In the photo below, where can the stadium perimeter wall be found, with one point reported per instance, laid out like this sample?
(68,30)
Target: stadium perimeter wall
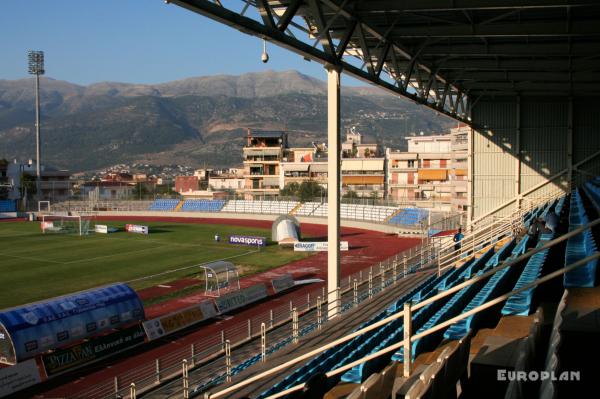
(380,227)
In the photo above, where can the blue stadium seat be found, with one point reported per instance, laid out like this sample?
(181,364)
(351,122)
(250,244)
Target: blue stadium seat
(579,247)
(409,216)
(520,304)
(164,205)
(199,205)
(8,206)
(490,290)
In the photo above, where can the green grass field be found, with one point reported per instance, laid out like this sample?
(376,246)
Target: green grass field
(35,266)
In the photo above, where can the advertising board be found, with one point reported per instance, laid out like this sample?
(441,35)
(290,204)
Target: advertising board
(317,246)
(18,377)
(179,320)
(135,228)
(248,240)
(96,348)
(101,228)
(282,283)
(240,298)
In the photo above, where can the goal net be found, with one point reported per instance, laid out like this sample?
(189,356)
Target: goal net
(66,224)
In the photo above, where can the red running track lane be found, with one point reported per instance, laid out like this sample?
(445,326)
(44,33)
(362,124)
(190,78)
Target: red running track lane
(367,248)
(13,219)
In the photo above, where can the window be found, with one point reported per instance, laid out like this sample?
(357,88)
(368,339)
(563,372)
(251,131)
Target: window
(411,163)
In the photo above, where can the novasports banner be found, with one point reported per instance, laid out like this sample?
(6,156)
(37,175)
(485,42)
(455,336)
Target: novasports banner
(317,246)
(63,360)
(240,298)
(134,228)
(179,320)
(248,240)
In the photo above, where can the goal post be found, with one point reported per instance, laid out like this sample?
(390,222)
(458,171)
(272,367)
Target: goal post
(44,206)
(66,224)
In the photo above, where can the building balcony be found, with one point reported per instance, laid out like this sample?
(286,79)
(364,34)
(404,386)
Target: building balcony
(460,201)
(403,169)
(261,161)
(56,185)
(403,185)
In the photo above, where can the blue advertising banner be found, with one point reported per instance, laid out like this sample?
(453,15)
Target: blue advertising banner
(96,348)
(248,240)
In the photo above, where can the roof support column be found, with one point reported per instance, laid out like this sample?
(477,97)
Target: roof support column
(333,191)
(570,145)
(518,154)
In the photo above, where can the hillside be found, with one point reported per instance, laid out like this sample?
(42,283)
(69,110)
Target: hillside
(193,121)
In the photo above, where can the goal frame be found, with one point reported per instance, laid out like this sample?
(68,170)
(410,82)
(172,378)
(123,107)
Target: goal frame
(40,206)
(77,218)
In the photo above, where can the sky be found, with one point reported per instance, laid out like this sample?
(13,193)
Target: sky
(136,41)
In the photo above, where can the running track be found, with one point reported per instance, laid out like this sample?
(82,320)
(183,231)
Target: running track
(366,248)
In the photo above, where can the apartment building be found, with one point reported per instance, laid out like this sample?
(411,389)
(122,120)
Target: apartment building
(459,167)
(263,153)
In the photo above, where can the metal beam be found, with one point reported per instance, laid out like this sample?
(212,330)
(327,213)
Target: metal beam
(514,29)
(289,13)
(379,6)
(275,35)
(557,48)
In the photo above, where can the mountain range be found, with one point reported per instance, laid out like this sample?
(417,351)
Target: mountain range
(195,121)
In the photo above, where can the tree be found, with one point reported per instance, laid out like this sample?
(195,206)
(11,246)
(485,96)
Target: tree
(305,191)
(28,187)
(290,190)
(310,189)
(350,195)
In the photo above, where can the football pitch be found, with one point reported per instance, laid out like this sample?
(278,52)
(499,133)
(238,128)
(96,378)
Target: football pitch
(36,266)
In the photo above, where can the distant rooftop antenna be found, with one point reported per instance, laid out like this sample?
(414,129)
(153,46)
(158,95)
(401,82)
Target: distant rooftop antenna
(264,57)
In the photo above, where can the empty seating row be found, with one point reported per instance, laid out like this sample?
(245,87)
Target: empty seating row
(349,350)
(164,205)
(593,189)
(551,363)
(8,206)
(311,209)
(199,205)
(264,207)
(393,332)
(409,216)
(579,247)
(437,379)
(521,303)
(492,288)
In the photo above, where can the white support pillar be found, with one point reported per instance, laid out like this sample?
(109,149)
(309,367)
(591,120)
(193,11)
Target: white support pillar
(570,145)
(333,190)
(518,155)
(470,173)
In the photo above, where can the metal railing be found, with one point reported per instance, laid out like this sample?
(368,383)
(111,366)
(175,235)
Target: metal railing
(299,316)
(406,314)
(311,312)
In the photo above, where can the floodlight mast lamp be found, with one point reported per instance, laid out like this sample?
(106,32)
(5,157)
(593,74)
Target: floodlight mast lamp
(36,67)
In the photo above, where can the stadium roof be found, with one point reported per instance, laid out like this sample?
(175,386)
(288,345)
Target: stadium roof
(442,53)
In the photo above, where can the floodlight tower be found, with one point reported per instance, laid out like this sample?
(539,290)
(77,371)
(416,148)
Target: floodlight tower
(36,67)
